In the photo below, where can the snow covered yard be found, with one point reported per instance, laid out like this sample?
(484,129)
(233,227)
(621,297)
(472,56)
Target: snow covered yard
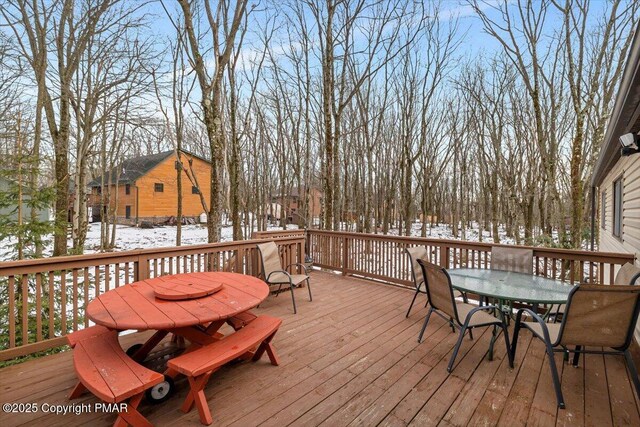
(132,238)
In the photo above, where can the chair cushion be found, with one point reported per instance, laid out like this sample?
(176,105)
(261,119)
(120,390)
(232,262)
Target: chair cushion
(480,317)
(283,278)
(536,328)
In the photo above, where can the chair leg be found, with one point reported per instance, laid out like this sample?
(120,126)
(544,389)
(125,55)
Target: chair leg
(293,298)
(456,348)
(514,343)
(470,334)
(494,335)
(412,301)
(309,288)
(633,371)
(505,332)
(278,291)
(424,325)
(554,376)
(576,356)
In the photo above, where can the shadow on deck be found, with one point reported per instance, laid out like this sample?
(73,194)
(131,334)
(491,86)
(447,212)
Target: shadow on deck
(351,357)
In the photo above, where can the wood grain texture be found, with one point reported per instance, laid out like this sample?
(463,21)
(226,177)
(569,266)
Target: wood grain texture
(352,358)
(135,306)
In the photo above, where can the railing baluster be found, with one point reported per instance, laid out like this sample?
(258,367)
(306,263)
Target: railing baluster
(63,302)
(38,306)
(86,294)
(12,313)
(51,305)
(74,275)
(25,309)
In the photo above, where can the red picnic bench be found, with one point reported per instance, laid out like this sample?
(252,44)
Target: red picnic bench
(198,365)
(105,370)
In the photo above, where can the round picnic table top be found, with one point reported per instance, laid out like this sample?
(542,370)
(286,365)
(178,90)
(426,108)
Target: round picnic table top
(135,306)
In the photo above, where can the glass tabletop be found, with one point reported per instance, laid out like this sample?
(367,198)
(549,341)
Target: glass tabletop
(508,285)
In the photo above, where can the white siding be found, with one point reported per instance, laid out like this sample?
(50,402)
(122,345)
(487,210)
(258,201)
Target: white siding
(629,169)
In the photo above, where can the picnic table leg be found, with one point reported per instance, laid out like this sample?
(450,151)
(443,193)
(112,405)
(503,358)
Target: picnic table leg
(77,391)
(131,416)
(266,346)
(149,345)
(196,395)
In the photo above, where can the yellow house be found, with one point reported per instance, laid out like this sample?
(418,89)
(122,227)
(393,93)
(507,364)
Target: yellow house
(145,188)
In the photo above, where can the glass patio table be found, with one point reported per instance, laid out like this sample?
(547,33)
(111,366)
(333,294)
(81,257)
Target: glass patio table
(507,287)
(510,286)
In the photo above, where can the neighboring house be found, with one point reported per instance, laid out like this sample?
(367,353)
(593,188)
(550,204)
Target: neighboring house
(145,188)
(616,179)
(11,212)
(292,204)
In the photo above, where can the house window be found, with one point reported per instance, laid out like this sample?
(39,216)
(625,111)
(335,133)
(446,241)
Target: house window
(127,212)
(127,189)
(617,207)
(194,190)
(158,187)
(603,210)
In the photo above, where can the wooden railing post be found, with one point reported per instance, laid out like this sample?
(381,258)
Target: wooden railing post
(142,268)
(444,256)
(345,255)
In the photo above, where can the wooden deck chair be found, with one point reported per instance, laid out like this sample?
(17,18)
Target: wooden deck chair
(274,274)
(459,314)
(601,316)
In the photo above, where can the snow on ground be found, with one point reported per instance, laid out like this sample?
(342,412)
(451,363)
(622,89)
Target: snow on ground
(444,231)
(132,238)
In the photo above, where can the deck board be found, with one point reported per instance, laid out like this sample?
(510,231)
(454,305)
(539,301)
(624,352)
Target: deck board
(351,357)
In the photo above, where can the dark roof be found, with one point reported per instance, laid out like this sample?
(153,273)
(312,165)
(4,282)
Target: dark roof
(132,169)
(625,116)
(293,192)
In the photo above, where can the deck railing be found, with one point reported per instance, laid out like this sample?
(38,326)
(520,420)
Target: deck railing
(42,300)
(383,257)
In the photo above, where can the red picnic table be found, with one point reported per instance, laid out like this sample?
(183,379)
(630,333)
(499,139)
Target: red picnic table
(191,305)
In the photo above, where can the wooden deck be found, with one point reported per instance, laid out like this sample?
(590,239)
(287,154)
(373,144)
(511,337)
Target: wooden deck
(351,358)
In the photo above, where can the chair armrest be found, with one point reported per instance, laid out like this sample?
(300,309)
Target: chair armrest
(537,318)
(484,307)
(304,267)
(278,271)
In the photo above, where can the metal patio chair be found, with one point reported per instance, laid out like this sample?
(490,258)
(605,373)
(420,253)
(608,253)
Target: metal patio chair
(628,274)
(274,274)
(459,314)
(596,316)
(518,260)
(416,253)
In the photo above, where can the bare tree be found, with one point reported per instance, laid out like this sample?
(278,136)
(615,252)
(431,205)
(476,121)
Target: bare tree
(222,29)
